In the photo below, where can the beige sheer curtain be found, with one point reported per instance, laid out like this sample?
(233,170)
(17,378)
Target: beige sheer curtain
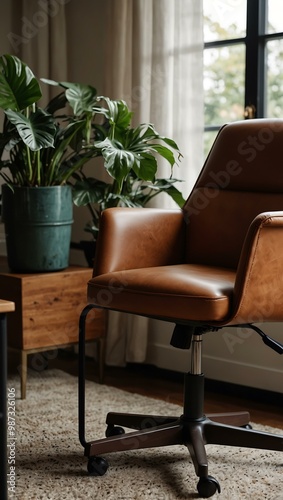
(39,38)
(154,62)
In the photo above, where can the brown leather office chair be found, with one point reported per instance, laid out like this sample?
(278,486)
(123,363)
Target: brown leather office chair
(217,262)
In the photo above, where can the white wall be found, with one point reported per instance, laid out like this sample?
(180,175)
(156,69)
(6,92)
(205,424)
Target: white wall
(230,355)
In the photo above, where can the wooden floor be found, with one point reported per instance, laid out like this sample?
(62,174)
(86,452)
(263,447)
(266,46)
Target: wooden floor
(265,408)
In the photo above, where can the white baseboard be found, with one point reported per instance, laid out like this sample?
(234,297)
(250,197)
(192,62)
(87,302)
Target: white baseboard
(249,375)
(217,368)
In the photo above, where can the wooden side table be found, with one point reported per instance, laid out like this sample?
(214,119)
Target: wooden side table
(5,307)
(48,306)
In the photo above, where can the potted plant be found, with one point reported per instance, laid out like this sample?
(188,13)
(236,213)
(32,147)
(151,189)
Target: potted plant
(130,158)
(38,155)
(48,148)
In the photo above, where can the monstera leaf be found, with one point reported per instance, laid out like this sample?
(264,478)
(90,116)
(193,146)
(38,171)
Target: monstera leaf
(81,98)
(37,131)
(135,151)
(18,86)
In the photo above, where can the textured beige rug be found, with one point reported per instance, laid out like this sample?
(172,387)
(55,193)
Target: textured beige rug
(50,462)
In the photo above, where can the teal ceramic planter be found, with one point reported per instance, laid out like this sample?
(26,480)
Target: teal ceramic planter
(38,223)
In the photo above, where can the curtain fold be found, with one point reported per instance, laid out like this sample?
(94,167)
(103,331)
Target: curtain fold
(41,40)
(154,62)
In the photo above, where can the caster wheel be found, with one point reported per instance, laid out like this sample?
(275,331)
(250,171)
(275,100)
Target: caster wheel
(114,431)
(207,486)
(247,426)
(97,466)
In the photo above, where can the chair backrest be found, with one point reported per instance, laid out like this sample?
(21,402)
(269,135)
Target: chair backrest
(242,177)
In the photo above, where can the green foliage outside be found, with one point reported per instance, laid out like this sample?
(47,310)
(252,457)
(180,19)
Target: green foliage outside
(224,80)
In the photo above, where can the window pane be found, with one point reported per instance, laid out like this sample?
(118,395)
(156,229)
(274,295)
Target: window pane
(274,16)
(224,19)
(274,86)
(224,84)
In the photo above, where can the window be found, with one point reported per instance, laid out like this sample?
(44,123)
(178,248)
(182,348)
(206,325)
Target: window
(243,61)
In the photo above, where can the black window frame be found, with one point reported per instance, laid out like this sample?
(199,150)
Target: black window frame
(255,60)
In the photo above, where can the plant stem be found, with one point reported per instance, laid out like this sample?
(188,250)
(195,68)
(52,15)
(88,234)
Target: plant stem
(94,213)
(38,165)
(88,127)
(29,165)
(115,188)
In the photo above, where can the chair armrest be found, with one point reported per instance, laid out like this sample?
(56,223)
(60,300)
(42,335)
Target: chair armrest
(144,237)
(259,278)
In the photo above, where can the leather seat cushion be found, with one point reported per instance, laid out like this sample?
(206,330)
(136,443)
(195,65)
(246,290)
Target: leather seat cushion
(188,292)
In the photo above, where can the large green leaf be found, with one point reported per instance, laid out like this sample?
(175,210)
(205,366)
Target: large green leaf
(81,98)
(135,153)
(117,161)
(165,152)
(18,86)
(56,103)
(145,131)
(146,166)
(37,131)
(166,186)
(118,115)
(176,195)
(89,190)
(144,139)
(63,139)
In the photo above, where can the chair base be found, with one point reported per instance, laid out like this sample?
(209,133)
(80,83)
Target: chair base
(154,431)
(192,429)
